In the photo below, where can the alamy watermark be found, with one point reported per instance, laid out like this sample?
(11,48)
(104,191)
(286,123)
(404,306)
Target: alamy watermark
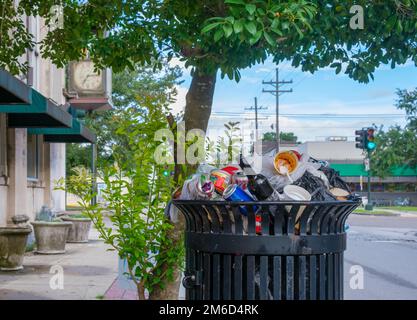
(193,147)
(357,21)
(356,281)
(56,282)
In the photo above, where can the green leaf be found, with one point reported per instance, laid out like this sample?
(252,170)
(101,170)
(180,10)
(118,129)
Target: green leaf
(300,33)
(228,30)
(269,39)
(251,27)
(238,26)
(250,8)
(234,1)
(209,27)
(218,35)
(336,65)
(255,38)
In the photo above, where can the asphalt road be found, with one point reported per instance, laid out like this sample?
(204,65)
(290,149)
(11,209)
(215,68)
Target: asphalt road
(386,250)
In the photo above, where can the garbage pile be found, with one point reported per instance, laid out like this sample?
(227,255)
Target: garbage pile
(285,176)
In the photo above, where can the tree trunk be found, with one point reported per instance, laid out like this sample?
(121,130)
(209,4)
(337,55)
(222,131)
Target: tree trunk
(199,101)
(141,291)
(171,289)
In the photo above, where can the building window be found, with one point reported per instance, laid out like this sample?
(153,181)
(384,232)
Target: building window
(3,146)
(33,156)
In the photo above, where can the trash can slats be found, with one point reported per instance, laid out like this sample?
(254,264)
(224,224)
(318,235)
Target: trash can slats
(227,277)
(237,269)
(264,250)
(263,281)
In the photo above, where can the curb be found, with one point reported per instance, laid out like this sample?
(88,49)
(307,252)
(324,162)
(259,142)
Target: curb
(378,215)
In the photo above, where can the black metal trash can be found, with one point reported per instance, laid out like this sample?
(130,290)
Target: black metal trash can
(295,251)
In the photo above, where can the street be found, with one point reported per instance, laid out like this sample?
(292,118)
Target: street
(386,249)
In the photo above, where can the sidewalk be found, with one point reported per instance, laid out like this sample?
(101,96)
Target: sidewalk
(88,269)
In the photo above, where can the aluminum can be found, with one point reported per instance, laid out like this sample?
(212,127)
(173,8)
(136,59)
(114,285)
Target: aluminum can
(240,179)
(221,180)
(235,193)
(204,186)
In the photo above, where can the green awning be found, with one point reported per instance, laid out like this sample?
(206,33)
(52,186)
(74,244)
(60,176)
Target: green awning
(40,113)
(356,170)
(78,133)
(12,90)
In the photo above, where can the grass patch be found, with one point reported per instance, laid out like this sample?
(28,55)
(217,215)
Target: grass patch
(401,208)
(373,212)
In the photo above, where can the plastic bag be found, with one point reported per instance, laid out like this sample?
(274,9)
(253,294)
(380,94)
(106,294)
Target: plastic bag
(315,186)
(334,178)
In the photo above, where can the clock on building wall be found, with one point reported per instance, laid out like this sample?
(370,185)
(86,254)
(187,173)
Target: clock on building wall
(86,81)
(90,89)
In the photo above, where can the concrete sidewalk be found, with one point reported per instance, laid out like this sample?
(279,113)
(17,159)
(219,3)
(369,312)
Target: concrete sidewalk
(88,271)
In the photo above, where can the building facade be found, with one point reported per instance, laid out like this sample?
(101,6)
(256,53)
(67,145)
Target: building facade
(35,123)
(28,165)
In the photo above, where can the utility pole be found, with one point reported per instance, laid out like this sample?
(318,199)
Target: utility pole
(276,92)
(256,108)
(369,205)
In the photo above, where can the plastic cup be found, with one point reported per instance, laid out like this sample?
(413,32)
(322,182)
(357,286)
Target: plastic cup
(296,193)
(285,158)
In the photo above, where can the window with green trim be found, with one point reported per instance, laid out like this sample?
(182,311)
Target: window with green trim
(34,145)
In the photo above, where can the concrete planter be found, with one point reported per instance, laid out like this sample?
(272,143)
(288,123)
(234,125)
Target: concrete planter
(78,233)
(12,247)
(51,236)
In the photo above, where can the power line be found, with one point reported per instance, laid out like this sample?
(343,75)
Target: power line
(276,85)
(256,108)
(325,115)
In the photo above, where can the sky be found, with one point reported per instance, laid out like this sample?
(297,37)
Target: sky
(349,105)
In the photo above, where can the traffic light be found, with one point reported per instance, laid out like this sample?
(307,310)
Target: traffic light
(370,139)
(360,139)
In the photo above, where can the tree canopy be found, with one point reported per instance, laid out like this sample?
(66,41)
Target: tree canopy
(214,34)
(397,146)
(283,136)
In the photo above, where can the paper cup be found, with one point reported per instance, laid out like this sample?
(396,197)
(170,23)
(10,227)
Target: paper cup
(287,159)
(339,193)
(296,193)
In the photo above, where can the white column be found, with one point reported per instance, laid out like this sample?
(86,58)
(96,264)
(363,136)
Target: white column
(57,167)
(17,165)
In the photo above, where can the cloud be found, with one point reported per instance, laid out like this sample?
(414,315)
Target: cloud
(262,69)
(306,129)
(381,93)
(252,80)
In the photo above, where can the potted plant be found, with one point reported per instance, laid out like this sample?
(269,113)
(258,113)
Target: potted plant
(13,243)
(81,225)
(50,232)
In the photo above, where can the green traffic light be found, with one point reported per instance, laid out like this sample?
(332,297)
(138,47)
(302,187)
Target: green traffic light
(371,145)
(166,173)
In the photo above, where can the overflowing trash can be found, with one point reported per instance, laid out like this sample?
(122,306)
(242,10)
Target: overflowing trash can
(275,233)
(282,250)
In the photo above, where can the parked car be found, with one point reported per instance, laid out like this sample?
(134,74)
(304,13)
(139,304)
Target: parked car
(402,201)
